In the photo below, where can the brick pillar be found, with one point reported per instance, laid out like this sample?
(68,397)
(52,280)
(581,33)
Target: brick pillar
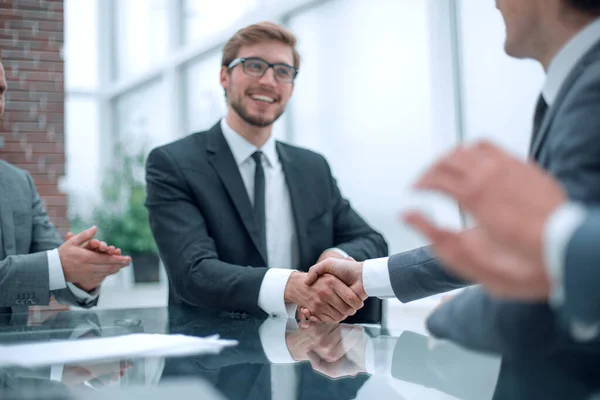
(32,129)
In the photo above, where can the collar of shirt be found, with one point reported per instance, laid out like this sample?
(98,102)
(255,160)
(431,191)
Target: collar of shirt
(242,149)
(566,59)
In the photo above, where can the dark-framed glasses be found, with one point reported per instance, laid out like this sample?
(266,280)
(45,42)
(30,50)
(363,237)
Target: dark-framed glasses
(257,67)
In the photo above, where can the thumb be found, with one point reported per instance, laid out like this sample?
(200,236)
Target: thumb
(83,236)
(315,271)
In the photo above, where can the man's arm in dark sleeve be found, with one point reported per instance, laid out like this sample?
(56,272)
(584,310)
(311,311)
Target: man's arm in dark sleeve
(189,253)
(417,273)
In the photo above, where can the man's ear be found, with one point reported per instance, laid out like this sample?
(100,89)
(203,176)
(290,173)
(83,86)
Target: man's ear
(225,78)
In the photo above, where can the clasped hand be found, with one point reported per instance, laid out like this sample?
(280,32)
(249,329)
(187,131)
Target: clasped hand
(87,261)
(330,292)
(335,350)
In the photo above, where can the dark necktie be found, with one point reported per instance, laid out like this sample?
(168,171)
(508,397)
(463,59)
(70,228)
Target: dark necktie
(259,199)
(540,112)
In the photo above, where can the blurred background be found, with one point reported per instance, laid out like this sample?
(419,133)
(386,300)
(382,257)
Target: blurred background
(384,87)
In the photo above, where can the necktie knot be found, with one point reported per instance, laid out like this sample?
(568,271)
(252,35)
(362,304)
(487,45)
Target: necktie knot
(257,157)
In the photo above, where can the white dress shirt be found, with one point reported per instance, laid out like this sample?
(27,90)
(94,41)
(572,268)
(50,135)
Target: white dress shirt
(282,243)
(57,280)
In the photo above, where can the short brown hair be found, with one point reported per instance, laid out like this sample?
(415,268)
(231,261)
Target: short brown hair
(258,33)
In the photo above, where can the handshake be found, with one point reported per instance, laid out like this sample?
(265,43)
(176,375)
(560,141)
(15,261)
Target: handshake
(331,291)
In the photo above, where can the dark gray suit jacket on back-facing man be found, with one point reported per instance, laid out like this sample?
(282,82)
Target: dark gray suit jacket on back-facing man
(567,146)
(202,219)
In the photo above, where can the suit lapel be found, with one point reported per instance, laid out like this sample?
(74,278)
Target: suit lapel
(566,86)
(223,162)
(300,198)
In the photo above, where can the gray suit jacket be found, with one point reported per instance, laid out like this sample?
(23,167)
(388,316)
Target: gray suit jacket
(567,146)
(25,236)
(582,273)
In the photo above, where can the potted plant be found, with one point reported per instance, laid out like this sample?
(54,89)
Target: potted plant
(122,218)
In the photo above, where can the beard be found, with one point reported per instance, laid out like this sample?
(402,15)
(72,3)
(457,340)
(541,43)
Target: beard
(254,120)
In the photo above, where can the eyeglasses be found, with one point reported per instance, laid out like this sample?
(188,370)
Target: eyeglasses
(257,67)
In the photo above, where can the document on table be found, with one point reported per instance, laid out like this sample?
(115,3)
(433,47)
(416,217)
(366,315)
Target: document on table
(109,348)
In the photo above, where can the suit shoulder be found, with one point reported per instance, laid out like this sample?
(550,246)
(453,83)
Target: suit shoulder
(193,142)
(303,153)
(13,173)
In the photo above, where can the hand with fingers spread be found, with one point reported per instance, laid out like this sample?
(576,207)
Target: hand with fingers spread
(84,267)
(511,199)
(512,202)
(97,246)
(329,300)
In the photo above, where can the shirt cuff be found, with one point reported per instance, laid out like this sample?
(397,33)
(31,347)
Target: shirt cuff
(272,291)
(339,251)
(81,295)
(272,339)
(56,276)
(376,278)
(558,231)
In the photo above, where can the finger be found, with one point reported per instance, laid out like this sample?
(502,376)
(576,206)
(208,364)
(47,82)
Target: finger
(69,235)
(83,236)
(105,259)
(103,247)
(93,244)
(117,252)
(347,295)
(317,270)
(305,313)
(314,318)
(329,314)
(349,258)
(334,309)
(315,362)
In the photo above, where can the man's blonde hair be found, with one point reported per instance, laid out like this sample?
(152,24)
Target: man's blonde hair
(259,33)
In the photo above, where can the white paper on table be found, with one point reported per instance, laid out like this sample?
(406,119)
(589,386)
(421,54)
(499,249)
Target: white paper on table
(110,348)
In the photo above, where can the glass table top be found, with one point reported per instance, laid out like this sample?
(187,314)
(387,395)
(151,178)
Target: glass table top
(279,359)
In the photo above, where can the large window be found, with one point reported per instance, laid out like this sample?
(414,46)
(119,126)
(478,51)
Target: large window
(205,102)
(141,118)
(499,92)
(203,18)
(141,35)
(363,98)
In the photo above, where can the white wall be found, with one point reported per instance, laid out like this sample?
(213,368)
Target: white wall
(363,98)
(499,92)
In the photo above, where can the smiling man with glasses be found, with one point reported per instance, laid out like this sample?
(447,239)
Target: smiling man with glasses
(240,217)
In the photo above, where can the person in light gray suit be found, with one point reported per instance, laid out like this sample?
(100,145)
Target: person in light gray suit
(34,262)
(564,36)
(553,260)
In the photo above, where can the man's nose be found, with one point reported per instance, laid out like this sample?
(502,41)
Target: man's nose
(268,78)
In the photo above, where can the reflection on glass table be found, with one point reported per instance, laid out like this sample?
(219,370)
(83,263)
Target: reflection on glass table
(283,359)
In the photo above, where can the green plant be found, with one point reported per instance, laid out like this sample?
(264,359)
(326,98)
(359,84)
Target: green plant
(121,217)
